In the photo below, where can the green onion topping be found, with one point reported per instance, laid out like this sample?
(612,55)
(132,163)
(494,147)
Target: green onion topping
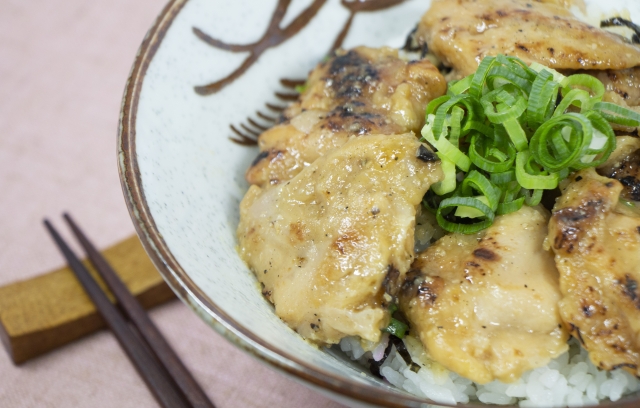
(514,131)
(396,328)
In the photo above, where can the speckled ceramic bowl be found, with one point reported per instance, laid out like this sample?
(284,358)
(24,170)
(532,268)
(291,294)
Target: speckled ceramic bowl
(183,177)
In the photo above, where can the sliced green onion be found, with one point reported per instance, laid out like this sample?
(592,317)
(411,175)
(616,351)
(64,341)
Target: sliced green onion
(471,212)
(510,191)
(504,177)
(498,154)
(628,203)
(578,132)
(453,202)
(446,149)
(481,151)
(532,197)
(478,126)
(478,182)
(470,105)
(478,81)
(502,113)
(510,206)
(448,184)
(455,119)
(516,134)
(602,143)
(557,77)
(500,75)
(396,328)
(575,97)
(461,85)
(617,114)
(533,181)
(435,104)
(542,99)
(518,67)
(583,81)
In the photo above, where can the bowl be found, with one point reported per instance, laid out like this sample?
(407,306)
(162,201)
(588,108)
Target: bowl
(204,67)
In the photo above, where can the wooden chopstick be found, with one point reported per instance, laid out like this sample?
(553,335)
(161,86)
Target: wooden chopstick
(151,371)
(132,308)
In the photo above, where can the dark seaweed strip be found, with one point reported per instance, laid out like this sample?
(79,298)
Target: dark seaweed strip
(401,349)
(374,366)
(411,44)
(621,22)
(404,353)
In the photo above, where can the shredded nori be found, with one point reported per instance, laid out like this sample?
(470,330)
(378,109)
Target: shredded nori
(427,155)
(374,366)
(401,349)
(412,44)
(621,22)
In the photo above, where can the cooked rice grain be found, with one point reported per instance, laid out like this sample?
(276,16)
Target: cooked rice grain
(569,380)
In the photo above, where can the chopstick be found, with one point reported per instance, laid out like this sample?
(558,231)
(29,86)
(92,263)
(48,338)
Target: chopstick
(139,317)
(163,372)
(148,368)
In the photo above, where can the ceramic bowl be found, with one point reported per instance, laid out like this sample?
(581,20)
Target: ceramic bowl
(204,66)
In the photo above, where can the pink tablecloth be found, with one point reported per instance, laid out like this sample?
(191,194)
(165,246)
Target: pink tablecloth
(63,65)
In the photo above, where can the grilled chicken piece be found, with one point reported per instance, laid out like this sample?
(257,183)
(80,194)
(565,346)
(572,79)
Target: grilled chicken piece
(624,166)
(622,87)
(363,91)
(327,243)
(597,251)
(485,305)
(462,32)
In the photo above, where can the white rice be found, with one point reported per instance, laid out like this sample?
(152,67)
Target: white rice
(569,380)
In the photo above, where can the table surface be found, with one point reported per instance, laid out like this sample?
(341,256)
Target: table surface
(63,66)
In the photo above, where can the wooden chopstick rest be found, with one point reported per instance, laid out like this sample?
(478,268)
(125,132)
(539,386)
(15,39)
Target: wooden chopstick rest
(46,312)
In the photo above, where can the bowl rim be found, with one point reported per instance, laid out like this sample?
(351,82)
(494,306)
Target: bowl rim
(179,281)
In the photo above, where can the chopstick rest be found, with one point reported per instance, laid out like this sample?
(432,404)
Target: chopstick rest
(46,312)
(158,379)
